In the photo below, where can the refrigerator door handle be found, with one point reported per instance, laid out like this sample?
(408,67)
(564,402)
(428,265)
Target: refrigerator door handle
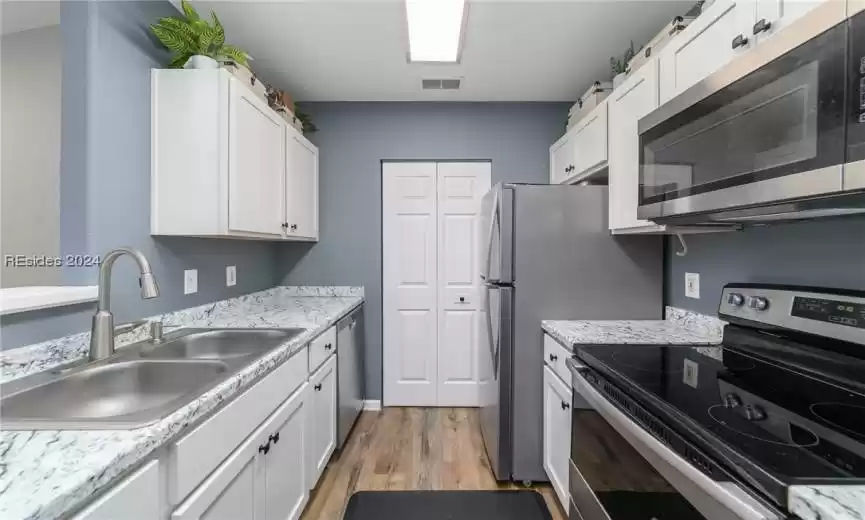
(493,219)
(490,332)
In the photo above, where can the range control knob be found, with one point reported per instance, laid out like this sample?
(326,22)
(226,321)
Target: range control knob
(732,401)
(736,299)
(758,303)
(754,413)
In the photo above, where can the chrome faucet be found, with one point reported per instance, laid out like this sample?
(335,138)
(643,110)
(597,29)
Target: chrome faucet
(102,333)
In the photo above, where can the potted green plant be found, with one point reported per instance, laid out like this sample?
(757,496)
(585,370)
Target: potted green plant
(196,43)
(620,65)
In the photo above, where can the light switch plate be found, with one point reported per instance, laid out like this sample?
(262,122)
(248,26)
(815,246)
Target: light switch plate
(190,281)
(230,276)
(692,285)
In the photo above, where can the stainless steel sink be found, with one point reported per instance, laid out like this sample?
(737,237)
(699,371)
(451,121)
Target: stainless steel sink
(139,385)
(222,343)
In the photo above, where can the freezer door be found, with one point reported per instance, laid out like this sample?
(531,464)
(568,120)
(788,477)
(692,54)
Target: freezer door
(496,224)
(495,375)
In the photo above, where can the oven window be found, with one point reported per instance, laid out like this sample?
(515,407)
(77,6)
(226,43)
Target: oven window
(786,117)
(625,485)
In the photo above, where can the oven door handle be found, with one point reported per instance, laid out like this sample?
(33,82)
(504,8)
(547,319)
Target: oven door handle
(713,499)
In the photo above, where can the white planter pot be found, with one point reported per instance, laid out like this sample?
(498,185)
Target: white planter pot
(620,78)
(201,62)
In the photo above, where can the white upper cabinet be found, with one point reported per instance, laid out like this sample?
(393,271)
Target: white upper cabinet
(224,164)
(719,34)
(301,187)
(562,158)
(582,150)
(256,163)
(634,98)
(774,15)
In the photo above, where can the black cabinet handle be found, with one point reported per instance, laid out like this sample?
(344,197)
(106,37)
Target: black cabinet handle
(740,41)
(264,448)
(762,26)
(294,227)
(328,346)
(273,437)
(317,387)
(554,358)
(284,225)
(565,405)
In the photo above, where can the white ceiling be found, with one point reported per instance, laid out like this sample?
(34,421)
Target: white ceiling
(23,15)
(355,50)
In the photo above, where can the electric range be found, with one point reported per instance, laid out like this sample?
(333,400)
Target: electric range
(780,403)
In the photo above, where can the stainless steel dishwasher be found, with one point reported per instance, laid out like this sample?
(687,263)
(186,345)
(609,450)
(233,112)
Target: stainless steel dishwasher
(350,372)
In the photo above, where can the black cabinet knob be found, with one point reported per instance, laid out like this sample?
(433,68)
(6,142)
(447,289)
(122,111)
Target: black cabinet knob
(317,387)
(554,357)
(762,26)
(328,346)
(284,225)
(565,405)
(274,437)
(264,448)
(740,41)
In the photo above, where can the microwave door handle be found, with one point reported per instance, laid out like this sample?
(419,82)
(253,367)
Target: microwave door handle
(493,219)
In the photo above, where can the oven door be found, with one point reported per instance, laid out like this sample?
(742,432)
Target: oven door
(768,127)
(619,471)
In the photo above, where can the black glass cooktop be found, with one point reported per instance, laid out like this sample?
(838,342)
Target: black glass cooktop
(774,413)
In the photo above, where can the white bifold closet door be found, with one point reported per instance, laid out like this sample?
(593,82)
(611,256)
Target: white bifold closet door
(430,281)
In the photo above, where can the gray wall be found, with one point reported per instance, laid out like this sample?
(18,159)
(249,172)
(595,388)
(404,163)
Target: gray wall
(354,138)
(30,68)
(828,253)
(105,178)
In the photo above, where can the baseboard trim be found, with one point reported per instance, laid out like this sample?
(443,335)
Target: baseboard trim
(372,405)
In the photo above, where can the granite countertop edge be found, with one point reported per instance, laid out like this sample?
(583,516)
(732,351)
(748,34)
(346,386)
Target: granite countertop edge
(73,465)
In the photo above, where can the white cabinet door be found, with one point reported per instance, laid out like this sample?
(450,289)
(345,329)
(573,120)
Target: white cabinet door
(590,141)
(410,322)
(233,490)
(285,485)
(705,46)
(256,164)
(321,427)
(557,433)
(135,498)
(562,159)
(634,98)
(775,15)
(460,187)
(301,186)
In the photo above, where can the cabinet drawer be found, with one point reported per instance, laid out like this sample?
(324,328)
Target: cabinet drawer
(135,497)
(321,348)
(198,453)
(556,357)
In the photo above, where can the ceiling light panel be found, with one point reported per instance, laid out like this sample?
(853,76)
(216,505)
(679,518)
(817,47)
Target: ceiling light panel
(434,29)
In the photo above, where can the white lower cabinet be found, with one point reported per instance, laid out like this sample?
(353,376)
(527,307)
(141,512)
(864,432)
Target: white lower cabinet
(321,423)
(263,479)
(557,433)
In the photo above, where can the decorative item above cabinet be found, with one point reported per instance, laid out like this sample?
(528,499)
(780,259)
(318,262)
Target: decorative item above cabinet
(224,164)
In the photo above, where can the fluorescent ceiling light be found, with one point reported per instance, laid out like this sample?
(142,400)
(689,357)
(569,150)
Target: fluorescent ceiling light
(434,28)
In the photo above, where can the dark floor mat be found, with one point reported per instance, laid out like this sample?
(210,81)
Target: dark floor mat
(446,505)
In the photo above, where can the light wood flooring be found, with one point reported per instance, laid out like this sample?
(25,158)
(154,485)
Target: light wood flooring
(408,449)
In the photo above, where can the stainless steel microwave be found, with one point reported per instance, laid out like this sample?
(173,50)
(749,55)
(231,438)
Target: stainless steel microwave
(776,134)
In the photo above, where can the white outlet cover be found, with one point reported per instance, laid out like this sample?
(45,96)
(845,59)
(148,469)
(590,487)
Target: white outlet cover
(190,281)
(230,276)
(692,285)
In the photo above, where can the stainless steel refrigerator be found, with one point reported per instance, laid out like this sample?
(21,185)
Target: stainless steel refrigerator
(548,255)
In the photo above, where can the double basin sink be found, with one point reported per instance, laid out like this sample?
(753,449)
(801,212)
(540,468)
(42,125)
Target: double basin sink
(139,385)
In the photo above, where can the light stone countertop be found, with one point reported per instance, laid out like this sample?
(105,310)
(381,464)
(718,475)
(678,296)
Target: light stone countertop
(45,474)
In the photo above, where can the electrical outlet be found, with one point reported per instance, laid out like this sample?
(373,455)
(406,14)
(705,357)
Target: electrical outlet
(230,276)
(190,281)
(692,285)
